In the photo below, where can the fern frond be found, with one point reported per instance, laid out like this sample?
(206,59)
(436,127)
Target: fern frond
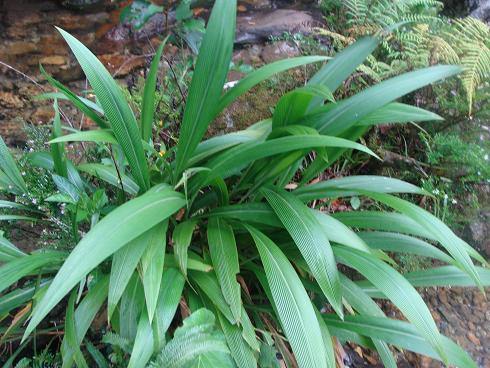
(471,40)
(115,339)
(476,67)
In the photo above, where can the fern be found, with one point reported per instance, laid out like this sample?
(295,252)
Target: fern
(114,339)
(471,39)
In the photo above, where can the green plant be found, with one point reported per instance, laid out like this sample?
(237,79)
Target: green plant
(209,224)
(422,37)
(186,27)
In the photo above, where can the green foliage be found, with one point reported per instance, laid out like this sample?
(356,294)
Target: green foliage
(421,37)
(226,232)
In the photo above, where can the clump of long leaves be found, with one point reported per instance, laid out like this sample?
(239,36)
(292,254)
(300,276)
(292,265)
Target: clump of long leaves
(208,225)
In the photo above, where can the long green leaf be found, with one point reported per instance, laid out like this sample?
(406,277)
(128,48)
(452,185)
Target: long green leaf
(115,107)
(168,300)
(294,308)
(396,112)
(224,255)
(123,265)
(347,186)
(347,112)
(207,82)
(8,251)
(148,108)
(97,136)
(240,351)
(86,312)
(182,237)
(401,334)
(446,276)
(143,343)
(109,175)
(71,336)
(151,266)
(401,243)
(398,290)
(217,144)
(118,228)
(343,64)
(27,265)
(9,168)
(208,283)
(360,301)
(337,232)
(84,105)
(238,157)
(312,241)
(261,74)
(58,149)
(293,105)
(436,227)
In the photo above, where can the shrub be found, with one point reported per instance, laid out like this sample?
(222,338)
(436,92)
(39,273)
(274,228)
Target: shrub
(210,226)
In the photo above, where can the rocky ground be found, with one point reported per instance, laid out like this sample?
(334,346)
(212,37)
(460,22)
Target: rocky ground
(27,38)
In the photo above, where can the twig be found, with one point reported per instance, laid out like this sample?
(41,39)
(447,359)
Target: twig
(175,78)
(117,170)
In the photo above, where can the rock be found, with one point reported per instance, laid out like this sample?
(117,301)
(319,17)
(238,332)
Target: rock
(279,50)
(477,233)
(475,340)
(10,100)
(261,25)
(17,48)
(258,4)
(249,55)
(43,114)
(121,65)
(480,9)
(54,60)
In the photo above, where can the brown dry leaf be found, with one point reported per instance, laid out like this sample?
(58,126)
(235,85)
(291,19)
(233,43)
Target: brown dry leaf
(180,214)
(340,354)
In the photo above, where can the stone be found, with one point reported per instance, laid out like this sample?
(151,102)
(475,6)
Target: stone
(121,65)
(18,48)
(249,55)
(43,114)
(480,9)
(475,340)
(257,4)
(261,25)
(279,50)
(10,100)
(53,60)
(477,233)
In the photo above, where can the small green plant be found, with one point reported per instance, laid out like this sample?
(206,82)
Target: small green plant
(230,229)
